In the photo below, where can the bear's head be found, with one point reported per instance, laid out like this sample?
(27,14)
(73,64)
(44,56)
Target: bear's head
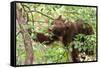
(58,26)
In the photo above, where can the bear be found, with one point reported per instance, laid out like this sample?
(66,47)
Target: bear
(42,38)
(66,31)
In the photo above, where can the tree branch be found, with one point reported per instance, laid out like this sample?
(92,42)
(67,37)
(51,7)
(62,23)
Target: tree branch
(41,14)
(27,12)
(37,12)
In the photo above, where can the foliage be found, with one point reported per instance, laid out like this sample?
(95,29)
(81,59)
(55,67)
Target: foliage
(40,18)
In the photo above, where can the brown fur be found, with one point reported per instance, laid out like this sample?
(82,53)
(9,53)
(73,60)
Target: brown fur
(67,30)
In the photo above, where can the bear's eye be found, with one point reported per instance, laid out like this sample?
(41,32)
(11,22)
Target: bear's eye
(67,27)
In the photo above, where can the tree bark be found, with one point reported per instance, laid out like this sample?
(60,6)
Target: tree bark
(22,20)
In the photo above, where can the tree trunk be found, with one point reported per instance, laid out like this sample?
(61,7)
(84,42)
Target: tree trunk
(22,20)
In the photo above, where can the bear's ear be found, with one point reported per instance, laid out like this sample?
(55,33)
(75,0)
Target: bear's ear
(60,17)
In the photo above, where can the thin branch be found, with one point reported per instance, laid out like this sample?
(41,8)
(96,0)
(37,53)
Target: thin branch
(72,12)
(18,33)
(37,12)
(28,9)
(27,13)
(41,14)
